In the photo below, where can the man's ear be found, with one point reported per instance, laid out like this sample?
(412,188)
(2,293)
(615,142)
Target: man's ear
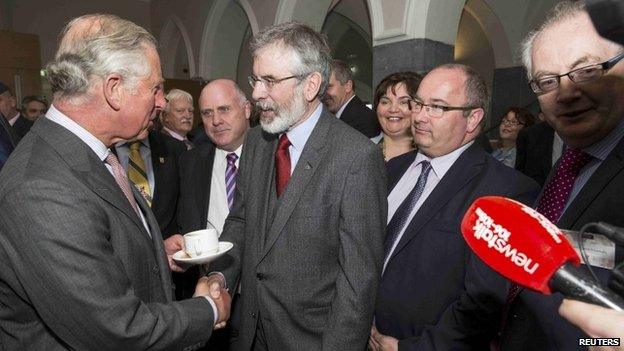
(313,85)
(247,109)
(349,86)
(475,119)
(114,91)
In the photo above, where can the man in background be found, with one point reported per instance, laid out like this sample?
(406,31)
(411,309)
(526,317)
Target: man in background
(8,107)
(340,99)
(34,107)
(177,117)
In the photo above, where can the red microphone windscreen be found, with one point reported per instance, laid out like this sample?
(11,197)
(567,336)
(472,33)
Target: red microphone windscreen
(516,241)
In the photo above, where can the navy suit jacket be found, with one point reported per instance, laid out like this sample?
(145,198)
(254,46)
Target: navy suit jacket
(533,322)
(360,117)
(425,273)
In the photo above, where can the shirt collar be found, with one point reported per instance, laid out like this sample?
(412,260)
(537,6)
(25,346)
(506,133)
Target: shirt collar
(299,135)
(342,108)
(440,165)
(144,142)
(175,135)
(222,154)
(14,119)
(94,143)
(603,147)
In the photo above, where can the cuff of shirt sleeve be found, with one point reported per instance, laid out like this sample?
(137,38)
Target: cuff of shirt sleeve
(214,310)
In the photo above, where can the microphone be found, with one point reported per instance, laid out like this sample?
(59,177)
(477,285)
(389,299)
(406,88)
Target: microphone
(526,248)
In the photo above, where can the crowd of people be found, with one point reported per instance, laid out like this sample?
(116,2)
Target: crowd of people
(345,220)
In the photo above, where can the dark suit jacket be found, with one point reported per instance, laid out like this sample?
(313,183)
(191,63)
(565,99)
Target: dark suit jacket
(534,148)
(310,261)
(533,323)
(425,273)
(195,178)
(601,199)
(166,152)
(78,270)
(8,140)
(22,125)
(360,117)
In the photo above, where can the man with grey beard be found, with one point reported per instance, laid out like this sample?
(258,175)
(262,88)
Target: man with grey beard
(310,210)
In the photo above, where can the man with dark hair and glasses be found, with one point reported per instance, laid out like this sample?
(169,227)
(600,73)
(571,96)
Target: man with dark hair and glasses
(580,88)
(310,208)
(430,189)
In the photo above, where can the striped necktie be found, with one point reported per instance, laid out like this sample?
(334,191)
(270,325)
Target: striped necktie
(137,171)
(230,178)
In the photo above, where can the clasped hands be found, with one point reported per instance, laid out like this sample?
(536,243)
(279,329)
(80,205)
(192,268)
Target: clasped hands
(213,286)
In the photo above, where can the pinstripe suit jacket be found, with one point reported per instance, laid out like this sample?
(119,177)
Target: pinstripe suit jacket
(78,270)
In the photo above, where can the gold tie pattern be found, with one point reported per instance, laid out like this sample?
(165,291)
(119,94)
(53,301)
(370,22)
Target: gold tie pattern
(137,173)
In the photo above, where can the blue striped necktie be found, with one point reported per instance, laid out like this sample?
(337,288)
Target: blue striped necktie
(230,178)
(399,219)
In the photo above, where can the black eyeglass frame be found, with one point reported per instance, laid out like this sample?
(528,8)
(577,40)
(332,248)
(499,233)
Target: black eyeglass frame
(604,67)
(442,107)
(269,84)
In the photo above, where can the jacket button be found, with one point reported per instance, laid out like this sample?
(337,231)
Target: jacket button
(155,270)
(260,276)
(253,314)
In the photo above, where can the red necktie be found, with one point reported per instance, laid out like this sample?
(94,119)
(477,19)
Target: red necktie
(558,189)
(554,197)
(282,164)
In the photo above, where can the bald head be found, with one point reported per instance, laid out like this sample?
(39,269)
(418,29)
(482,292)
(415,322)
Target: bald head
(225,113)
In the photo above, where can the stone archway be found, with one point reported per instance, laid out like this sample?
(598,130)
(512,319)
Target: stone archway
(169,42)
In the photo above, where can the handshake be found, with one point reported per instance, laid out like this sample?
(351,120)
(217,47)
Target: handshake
(213,286)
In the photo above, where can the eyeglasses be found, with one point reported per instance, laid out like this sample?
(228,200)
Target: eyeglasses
(268,83)
(579,75)
(511,123)
(437,111)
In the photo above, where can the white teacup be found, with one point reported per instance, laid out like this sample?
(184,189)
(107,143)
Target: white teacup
(201,242)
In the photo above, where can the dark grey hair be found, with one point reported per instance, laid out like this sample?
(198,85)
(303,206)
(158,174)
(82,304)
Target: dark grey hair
(341,71)
(310,48)
(94,46)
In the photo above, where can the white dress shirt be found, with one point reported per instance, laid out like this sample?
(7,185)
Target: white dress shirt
(342,108)
(219,209)
(299,135)
(439,167)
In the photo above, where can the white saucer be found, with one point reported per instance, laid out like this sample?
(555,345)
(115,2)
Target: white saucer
(182,257)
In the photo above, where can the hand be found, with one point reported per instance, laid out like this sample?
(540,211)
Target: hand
(213,286)
(380,342)
(174,244)
(596,321)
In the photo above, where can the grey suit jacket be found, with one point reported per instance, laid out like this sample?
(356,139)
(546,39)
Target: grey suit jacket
(78,270)
(309,262)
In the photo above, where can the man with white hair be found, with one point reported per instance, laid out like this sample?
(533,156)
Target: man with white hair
(310,208)
(577,76)
(177,117)
(83,261)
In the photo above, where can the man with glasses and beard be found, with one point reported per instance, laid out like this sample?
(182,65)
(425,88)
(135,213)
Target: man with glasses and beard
(310,208)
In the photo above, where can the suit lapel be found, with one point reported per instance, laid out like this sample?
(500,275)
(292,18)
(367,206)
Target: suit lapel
(87,167)
(466,167)
(610,167)
(158,153)
(307,165)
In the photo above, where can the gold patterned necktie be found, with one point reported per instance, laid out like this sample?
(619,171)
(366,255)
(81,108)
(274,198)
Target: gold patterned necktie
(137,173)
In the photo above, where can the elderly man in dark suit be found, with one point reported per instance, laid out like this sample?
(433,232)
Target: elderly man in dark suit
(584,186)
(309,212)
(83,262)
(340,99)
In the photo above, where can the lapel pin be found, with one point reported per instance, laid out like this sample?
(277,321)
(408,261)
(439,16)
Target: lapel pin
(161,159)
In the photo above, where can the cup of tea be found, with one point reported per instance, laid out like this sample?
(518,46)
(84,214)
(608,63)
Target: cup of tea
(201,242)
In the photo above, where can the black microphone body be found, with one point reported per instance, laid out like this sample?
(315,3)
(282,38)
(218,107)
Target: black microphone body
(575,283)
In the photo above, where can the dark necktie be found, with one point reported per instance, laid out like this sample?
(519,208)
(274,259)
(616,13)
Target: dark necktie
(400,217)
(230,178)
(282,164)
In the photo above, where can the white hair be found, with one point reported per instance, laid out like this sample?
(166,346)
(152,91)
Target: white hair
(177,94)
(94,46)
